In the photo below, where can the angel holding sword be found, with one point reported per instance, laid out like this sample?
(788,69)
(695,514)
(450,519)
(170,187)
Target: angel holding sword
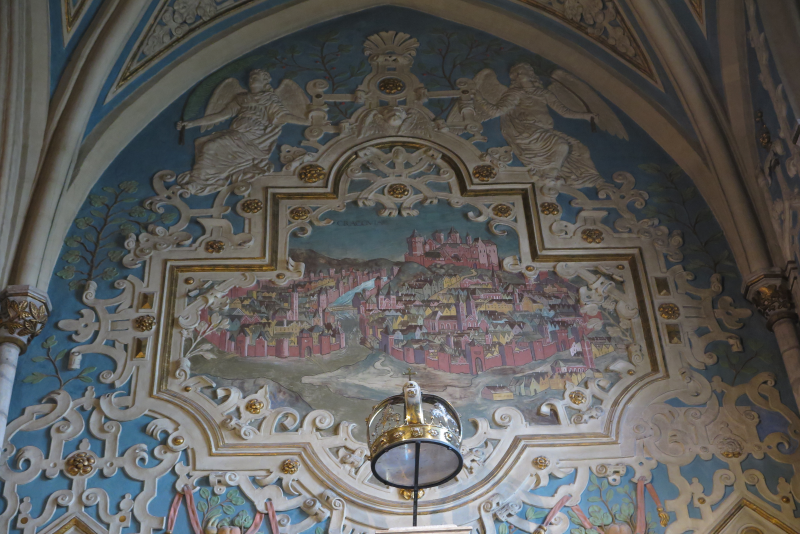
(528,128)
(242,151)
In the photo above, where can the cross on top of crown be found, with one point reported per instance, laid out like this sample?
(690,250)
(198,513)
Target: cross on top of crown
(409,373)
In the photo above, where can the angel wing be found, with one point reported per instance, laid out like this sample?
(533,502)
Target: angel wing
(372,124)
(416,124)
(293,97)
(578,96)
(221,97)
(490,88)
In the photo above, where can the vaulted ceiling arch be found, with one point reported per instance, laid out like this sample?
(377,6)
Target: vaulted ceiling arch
(114,133)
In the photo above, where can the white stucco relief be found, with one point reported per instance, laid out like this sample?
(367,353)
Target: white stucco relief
(599,437)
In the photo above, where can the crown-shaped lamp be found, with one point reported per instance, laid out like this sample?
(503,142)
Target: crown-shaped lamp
(414,441)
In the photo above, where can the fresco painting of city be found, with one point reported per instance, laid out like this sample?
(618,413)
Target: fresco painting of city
(342,337)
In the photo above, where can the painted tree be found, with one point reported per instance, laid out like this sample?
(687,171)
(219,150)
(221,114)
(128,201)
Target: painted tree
(96,242)
(447,56)
(53,361)
(676,202)
(326,59)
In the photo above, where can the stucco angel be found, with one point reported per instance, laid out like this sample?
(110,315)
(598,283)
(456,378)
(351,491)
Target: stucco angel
(241,152)
(528,128)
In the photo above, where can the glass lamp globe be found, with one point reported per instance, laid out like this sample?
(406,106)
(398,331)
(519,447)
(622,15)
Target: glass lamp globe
(414,440)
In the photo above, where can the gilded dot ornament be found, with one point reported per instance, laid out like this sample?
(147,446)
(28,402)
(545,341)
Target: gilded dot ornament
(785,499)
(701,500)
(592,236)
(398,190)
(541,462)
(311,173)
(502,210)
(80,464)
(179,440)
(252,206)
(669,311)
(549,208)
(484,173)
(188,281)
(391,86)
(254,406)
(144,323)
(299,213)
(214,246)
(577,397)
(290,466)
(408,494)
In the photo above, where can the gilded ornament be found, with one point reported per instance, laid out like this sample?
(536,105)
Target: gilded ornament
(254,406)
(541,462)
(631,372)
(391,86)
(550,208)
(785,499)
(701,500)
(22,317)
(669,311)
(731,454)
(214,246)
(502,210)
(280,276)
(530,268)
(252,205)
(80,464)
(187,389)
(311,173)
(144,323)
(408,494)
(775,303)
(23,521)
(577,397)
(484,173)
(592,235)
(398,190)
(663,517)
(765,138)
(188,280)
(299,213)
(290,466)
(179,440)
(122,518)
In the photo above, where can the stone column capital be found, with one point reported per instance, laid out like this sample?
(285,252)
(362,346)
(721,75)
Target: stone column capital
(770,294)
(23,313)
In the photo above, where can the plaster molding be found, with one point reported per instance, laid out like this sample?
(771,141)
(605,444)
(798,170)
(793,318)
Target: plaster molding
(78,96)
(72,13)
(24,84)
(745,237)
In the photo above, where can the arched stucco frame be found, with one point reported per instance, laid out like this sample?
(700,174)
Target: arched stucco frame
(725,193)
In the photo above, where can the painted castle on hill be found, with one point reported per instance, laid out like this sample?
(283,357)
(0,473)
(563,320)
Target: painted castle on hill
(478,253)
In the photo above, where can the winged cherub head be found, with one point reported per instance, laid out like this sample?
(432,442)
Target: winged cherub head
(523,75)
(259,81)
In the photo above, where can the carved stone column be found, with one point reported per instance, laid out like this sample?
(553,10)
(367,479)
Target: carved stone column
(774,301)
(23,313)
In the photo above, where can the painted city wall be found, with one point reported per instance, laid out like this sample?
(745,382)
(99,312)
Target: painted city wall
(383,196)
